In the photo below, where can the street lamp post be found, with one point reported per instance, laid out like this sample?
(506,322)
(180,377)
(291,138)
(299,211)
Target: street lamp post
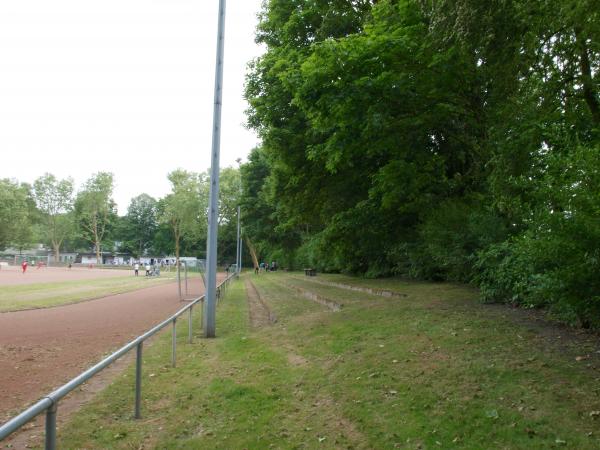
(209,316)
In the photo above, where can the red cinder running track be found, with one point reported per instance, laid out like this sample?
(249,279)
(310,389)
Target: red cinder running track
(44,348)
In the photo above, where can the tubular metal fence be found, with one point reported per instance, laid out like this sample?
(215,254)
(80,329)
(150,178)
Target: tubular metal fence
(49,403)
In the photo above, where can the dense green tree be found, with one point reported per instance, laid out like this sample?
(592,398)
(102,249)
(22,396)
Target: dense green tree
(183,210)
(271,240)
(229,194)
(95,210)
(289,29)
(230,189)
(374,126)
(140,224)
(17,212)
(445,139)
(162,241)
(54,199)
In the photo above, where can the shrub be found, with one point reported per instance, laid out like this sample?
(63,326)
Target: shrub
(451,236)
(556,261)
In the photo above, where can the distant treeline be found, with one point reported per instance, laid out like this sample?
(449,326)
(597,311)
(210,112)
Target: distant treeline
(436,139)
(51,212)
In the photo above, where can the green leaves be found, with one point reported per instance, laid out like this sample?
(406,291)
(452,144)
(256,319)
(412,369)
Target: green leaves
(182,209)
(16,214)
(95,209)
(54,199)
(454,139)
(140,224)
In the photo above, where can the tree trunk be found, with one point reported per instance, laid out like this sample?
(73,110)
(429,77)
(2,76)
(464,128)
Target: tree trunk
(586,78)
(177,249)
(56,246)
(97,244)
(252,251)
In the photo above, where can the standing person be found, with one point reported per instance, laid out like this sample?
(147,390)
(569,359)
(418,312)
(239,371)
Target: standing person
(136,269)
(24,266)
(147,269)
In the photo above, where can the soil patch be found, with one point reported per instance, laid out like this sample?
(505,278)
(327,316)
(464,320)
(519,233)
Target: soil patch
(331,304)
(260,314)
(379,292)
(329,408)
(296,360)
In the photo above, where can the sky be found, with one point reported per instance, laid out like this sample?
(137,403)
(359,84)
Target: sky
(124,86)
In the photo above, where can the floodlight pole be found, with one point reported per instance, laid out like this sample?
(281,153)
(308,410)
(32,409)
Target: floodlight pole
(241,241)
(209,317)
(237,249)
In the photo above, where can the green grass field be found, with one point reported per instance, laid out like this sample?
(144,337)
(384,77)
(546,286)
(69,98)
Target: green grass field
(43,295)
(433,370)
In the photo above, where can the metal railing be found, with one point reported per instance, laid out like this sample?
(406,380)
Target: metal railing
(49,403)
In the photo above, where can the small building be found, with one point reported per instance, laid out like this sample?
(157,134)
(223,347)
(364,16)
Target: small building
(86,258)
(64,258)
(190,261)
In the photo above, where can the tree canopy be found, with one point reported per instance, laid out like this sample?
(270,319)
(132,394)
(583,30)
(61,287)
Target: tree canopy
(95,209)
(141,223)
(182,210)
(17,213)
(54,199)
(444,139)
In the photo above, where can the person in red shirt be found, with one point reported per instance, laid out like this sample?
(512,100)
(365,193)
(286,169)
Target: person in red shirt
(24,266)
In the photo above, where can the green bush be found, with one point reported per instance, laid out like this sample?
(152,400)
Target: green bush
(556,261)
(451,236)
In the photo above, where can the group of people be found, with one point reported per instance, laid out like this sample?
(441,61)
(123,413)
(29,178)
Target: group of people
(262,267)
(266,267)
(151,270)
(25,264)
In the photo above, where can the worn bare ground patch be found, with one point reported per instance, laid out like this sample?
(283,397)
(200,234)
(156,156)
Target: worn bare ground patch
(331,304)
(260,314)
(296,360)
(293,358)
(331,410)
(379,292)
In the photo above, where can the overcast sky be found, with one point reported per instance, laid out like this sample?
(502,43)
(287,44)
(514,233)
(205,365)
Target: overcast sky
(124,86)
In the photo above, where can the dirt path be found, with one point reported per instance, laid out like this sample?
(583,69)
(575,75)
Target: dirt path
(350,287)
(260,314)
(331,304)
(42,349)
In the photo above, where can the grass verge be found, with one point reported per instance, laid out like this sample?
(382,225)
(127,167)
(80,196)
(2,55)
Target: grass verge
(433,370)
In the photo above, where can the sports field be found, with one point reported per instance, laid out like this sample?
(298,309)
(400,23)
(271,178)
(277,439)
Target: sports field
(53,286)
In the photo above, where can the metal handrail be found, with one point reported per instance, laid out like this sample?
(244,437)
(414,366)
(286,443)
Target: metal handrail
(50,402)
